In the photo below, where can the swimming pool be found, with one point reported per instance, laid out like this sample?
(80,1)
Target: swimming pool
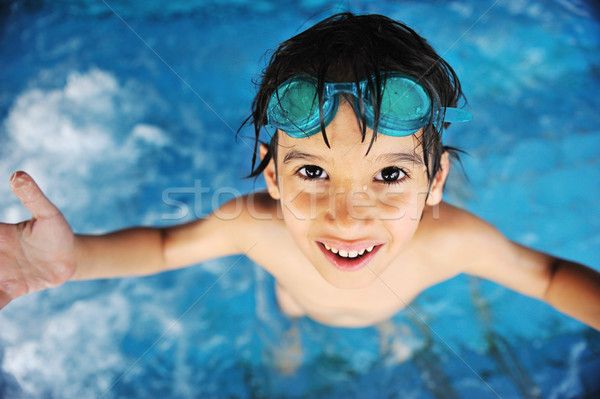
(125,112)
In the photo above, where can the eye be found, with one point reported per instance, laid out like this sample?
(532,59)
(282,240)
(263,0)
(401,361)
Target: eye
(390,175)
(312,172)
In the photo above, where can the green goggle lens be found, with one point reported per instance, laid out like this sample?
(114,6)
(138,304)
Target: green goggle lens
(296,103)
(405,106)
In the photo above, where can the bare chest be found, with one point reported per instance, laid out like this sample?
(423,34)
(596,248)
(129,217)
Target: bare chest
(302,291)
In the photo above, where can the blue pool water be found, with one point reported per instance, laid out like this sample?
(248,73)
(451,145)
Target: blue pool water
(122,110)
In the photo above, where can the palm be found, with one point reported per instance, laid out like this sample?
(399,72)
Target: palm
(38,253)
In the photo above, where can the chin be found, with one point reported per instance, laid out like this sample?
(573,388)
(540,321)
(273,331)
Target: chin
(350,280)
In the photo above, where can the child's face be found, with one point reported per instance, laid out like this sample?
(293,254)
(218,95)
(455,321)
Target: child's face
(340,199)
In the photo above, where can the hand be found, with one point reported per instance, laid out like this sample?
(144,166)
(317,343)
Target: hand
(38,253)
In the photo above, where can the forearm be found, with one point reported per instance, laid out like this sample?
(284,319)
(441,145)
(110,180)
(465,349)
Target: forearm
(575,290)
(131,252)
(141,251)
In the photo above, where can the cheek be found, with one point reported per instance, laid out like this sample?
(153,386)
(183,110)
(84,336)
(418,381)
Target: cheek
(405,202)
(400,217)
(404,212)
(303,202)
(299,210)
(299,224)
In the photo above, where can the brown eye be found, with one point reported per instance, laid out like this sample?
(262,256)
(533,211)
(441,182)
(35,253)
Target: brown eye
(312,172)
(390,174)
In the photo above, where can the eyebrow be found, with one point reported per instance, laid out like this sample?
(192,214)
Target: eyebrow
(299,155)
(396,157)
(400,157)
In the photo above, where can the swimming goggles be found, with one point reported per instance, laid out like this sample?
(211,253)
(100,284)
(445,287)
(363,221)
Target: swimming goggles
(405,106)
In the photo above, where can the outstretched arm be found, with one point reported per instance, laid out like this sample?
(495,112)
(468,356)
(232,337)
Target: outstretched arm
(574,289)
(43,252)
(569,287)
(141,251)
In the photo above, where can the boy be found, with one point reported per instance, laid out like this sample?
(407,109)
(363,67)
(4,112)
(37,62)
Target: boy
(352,225)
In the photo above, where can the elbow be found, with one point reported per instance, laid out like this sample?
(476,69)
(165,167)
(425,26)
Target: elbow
(574,289)
(163,248)
(552,268)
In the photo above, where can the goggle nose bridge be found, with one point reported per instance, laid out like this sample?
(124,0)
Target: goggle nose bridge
(332,89)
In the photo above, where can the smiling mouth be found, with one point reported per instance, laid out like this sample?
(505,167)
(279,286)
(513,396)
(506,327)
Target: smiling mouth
(348,254)
(349,260)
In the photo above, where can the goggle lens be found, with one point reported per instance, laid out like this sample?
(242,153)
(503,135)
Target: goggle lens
(405,106)
(294,106)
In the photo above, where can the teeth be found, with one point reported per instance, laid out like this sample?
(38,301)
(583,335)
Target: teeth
(348,254)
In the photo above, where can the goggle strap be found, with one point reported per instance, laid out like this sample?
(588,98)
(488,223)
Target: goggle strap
(457,115)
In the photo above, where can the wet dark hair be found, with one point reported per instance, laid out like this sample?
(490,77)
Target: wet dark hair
(350,48)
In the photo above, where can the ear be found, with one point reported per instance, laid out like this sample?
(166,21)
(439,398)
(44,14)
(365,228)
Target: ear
(439,181)
(269,174)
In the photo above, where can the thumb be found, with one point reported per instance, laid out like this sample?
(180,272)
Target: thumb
(30,195)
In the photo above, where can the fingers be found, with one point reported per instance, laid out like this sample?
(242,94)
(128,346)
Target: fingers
(30,195)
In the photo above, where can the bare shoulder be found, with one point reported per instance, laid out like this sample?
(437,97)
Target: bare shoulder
(471,245)
(447,216)
(463,239)
(231,229)
(449,219)
(248,217)
(253,213)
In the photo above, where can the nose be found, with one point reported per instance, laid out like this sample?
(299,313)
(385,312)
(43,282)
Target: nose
(351,209)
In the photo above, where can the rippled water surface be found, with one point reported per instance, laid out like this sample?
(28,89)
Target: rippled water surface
(120,109)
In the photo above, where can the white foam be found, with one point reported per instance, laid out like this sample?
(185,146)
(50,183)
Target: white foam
(91,86)
(64,121)
(50,360)
(149,134)
(67,137)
